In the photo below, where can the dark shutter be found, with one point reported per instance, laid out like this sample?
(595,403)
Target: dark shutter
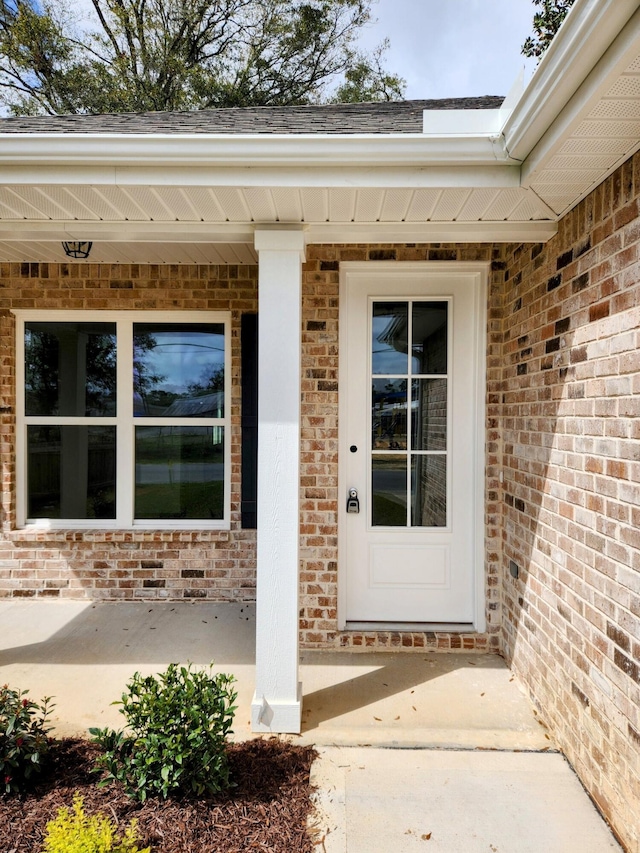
(249,368)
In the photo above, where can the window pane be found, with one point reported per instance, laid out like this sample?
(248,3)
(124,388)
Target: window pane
(179,472)
(71,472)
(178,370)
(70,369)
(429,337)
(389,343)
(429,491)
(389,414)
(389,491)
(429,414)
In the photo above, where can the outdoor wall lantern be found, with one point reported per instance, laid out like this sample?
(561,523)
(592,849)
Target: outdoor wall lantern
(77,249)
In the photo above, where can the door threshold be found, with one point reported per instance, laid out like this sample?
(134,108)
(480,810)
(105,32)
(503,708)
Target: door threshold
(449,627)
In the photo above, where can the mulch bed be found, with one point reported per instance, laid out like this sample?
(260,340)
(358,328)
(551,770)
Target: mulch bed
(266,811)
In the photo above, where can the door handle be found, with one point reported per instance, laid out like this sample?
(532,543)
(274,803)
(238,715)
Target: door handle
(353,504)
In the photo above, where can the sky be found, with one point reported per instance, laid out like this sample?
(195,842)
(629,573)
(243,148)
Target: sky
(445,48)
(453,48)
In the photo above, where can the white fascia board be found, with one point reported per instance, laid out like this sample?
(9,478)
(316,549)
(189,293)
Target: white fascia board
(479,122)
(384,177)
(201,232)
(462,122)
(128,231)
(614,62)
(253,150)
(63,175)
(586,33)
(433,232)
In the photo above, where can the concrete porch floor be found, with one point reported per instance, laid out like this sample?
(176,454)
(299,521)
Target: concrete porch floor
(411,745)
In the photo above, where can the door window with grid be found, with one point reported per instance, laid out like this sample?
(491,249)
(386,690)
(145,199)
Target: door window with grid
(409,413)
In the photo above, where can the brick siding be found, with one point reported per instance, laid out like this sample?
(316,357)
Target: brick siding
(102,564)
(319,523)
(571,511)
(212,564)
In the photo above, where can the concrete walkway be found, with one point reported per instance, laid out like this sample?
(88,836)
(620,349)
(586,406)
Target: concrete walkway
(418,751)
(392,801)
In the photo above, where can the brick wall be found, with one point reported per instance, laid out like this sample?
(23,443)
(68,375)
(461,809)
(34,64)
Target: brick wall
(571,462)
(320,448)
(99,564)
(212,564)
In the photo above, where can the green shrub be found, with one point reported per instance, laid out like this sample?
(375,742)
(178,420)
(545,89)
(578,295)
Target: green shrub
(23,737)
(75,832)
(175,738)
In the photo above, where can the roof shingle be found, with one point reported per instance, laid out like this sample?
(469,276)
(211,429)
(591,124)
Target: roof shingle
(393,117)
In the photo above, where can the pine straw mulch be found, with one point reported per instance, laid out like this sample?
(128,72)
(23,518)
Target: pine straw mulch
(266,811)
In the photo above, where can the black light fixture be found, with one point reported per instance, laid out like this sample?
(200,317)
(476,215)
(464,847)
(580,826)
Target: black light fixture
(77,249)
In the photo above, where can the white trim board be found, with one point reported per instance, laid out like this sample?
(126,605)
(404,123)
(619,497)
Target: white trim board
(243,232)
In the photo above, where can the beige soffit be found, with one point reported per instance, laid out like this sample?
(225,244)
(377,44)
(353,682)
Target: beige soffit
(580,116)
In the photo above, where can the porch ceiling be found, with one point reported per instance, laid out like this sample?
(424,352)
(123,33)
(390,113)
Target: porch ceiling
(128,252)
(214,224)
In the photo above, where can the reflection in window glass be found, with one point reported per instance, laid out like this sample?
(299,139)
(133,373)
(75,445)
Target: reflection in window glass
(422,325)
(70,369)
(389,490)
(428,491)
(179,472)
(73,437)
(389,414)
(178,370)
(429,337)
(429,414)
(71,472)
(390,337)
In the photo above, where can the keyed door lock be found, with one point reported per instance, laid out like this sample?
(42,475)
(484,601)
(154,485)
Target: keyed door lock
(353,504)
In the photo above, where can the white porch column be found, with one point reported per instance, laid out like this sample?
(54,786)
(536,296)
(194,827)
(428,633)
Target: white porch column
(277,702)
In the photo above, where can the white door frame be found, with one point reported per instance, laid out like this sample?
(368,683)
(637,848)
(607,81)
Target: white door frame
(478,274)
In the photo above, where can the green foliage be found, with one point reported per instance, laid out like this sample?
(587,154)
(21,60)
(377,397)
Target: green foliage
(177,724)
(137,55)
(76,832)
(23,737)
(546,24)
(366,80)
(43,378)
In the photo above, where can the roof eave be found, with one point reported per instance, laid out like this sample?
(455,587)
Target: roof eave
(250,150)
(589,30)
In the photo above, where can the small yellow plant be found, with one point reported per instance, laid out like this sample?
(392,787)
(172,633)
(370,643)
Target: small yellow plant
(76,832)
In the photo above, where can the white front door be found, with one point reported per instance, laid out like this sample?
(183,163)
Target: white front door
(411,426)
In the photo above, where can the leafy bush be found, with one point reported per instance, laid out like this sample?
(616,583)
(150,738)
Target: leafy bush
(23,737)
(76,832)
(177,724)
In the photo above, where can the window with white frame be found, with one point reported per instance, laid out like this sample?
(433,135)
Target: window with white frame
(123,419)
